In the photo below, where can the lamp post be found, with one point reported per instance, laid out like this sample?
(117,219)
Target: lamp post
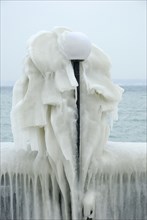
(76,47)
(76,68)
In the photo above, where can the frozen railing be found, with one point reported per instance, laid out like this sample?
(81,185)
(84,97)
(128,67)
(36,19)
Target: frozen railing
(29,189)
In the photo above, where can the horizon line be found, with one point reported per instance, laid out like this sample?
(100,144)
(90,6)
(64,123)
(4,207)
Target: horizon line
(10,83)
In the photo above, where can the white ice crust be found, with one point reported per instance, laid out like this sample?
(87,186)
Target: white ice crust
(44,115)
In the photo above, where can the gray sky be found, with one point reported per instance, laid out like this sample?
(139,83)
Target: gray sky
(117,27)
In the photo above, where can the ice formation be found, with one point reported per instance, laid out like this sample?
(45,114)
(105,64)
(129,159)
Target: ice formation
(39,173)
(88,203)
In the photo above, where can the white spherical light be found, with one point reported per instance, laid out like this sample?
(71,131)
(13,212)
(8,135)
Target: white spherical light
(75,45)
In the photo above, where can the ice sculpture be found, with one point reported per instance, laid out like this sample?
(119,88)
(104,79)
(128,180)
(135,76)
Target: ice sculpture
(41,174)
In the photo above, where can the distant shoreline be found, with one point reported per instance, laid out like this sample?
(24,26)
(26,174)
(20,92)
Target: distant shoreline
(123,82)
(120,84)
(125,85)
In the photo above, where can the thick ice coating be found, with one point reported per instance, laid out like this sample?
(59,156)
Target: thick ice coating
(44,110)
(116,186)
(44,115)
(44,105)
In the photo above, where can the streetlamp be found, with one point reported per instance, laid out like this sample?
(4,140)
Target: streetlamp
(76,47)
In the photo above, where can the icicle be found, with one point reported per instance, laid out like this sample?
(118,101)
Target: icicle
(11,195)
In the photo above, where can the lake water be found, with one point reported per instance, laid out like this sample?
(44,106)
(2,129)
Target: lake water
(130,127)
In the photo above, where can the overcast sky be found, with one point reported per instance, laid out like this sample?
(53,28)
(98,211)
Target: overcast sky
(118,27)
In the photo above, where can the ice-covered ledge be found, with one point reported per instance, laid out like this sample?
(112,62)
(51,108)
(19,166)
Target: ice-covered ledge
(127,157)
(119,175)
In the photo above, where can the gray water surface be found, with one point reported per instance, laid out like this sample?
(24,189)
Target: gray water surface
(130,127)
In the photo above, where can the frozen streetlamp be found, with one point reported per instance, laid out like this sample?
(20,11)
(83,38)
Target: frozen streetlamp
(76,47)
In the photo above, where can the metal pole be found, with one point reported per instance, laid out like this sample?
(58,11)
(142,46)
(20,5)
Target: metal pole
(76,67)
